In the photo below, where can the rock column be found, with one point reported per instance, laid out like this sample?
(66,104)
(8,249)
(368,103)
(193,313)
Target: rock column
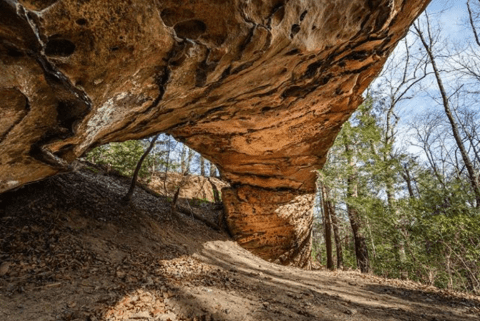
(273,224)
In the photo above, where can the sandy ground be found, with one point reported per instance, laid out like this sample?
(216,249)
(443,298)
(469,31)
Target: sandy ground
(70,251)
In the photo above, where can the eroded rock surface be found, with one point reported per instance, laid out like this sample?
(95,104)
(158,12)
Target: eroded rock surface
(261,88)
(193,187)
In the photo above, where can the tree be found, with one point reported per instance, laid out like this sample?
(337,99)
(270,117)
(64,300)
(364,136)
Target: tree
(414,211)
(474,18)
(202,166)
(327,227)
(128,197)
(429,39)
(361,251)
(189,160)
(350,150)
(330,220)
(123,157)
(183,159)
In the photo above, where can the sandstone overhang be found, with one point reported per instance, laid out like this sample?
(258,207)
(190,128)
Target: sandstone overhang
(259,87)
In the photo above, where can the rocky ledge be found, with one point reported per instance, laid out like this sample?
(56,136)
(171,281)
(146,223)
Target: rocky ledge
(261,88)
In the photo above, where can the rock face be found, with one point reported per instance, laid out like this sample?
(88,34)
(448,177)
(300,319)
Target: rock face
(259,87)
(192,186)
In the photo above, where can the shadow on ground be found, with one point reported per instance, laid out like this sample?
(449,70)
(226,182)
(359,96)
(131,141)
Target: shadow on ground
(69,250)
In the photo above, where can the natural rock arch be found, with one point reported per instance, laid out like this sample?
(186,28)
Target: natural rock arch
(261,88)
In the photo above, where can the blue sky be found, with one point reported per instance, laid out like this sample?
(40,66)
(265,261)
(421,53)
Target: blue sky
(452,16)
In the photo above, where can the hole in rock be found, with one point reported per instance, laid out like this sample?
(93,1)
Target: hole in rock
(70,111)
(59,47)
(302,16)
(14,52)
(312,69)
(81,21)
(265,109)
(292,52)
(172,16)
(298,91)
(294,91)
(295,30)
(190,29)
(278,14)
(382,18)
(168,17)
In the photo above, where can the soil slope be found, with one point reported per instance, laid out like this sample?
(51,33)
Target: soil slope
(70,251)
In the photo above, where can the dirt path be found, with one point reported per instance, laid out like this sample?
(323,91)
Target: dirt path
(282,293)
(70,251)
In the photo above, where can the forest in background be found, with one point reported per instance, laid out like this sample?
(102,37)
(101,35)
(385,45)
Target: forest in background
(400,193)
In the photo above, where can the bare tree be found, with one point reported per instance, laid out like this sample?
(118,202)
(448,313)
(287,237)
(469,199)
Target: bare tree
(429,40)
(202,166)
(128,197)
(399,81)
(474,18)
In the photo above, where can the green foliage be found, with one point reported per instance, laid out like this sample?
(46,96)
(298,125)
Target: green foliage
(92,169)
(124,157)
(198,201)
(431,236)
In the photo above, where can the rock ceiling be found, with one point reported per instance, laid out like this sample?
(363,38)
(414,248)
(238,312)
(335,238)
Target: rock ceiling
(261,88)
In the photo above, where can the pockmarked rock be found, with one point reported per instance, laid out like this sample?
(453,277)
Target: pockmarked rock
(260,88)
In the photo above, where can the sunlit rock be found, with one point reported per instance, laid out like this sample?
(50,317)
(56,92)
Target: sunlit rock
(261,88)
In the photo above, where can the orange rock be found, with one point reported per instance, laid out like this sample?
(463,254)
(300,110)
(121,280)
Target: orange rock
(261,88)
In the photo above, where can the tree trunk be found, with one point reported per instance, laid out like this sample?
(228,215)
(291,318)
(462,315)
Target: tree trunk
(169,150)
(167,164)
(408,180)
(336,232)
(472,25)
(212,170)
(188,164)
(361,250)
(183,161)
(328,229)
(128,197)
(216,193)
(173,207)
(202,166)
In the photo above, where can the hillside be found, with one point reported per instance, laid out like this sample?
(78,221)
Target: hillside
(70,251)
